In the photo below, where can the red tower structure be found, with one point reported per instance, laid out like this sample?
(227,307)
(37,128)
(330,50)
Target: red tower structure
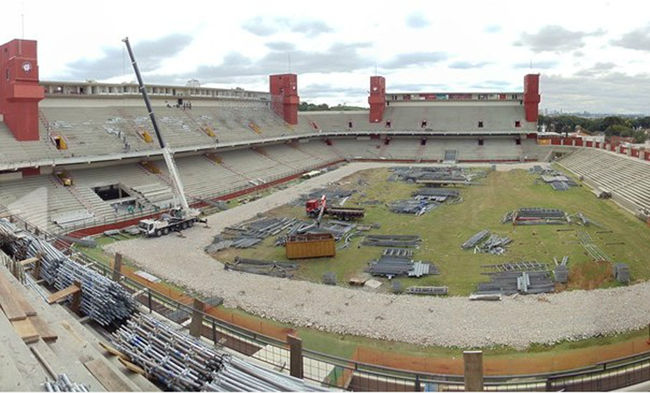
(284,96)
(531,97)
(377,98)
(19,88)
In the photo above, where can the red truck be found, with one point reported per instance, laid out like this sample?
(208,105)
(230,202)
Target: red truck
(316,208)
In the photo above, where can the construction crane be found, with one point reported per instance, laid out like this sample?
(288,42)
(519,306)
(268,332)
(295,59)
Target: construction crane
(179,217)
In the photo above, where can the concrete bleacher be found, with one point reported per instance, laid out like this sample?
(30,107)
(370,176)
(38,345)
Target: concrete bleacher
(625,177)
(439,118)
(39,199)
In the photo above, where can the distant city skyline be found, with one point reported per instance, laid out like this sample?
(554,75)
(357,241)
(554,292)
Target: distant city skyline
(593,59)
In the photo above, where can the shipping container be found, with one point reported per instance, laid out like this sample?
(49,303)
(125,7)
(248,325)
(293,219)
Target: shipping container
(311,245)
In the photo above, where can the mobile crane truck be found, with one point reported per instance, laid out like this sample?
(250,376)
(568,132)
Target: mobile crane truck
(181,216)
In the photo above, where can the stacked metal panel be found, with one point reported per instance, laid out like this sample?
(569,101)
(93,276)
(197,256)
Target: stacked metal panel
(511,282)
(392,240)
(622,273)
(102,299)
(393,266)
(183,363)
(475,239)
(412,206)
(266,268)
(435,291)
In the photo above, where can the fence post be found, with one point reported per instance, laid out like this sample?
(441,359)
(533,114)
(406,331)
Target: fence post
(214,333)
(117,267)
(473,370)
(149,300)
(197,318)
(295,356)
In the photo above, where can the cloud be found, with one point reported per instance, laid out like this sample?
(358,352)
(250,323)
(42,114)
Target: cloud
(542,65)
(280,46)
(597,69)
(464,65)
(310,28)
(609,93)
(638,39)
(492,85)
(260,26)
(492,29)
(149,55)
(415,59)
(325,89)
(339,57)
(417,21)
(415,87)
(555,38)
(265,27)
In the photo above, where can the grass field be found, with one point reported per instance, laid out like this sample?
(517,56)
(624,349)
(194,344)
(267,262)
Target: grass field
(443,230)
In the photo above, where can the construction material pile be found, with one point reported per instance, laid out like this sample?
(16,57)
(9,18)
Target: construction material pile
(557,180)
(592,249)
(483,242)
(334,196)
(561,271)
(183,363)
(265,268)
(249,234)
(394,266)
(431,291)
(338,229)
(424,174)
(621,273)
(522,277)
(435,194)
(63,384)
(535,216)
(392,240)
(412,206)
(424,200)
(102,299)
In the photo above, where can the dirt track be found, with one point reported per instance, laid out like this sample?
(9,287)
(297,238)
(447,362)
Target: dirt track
(453,321)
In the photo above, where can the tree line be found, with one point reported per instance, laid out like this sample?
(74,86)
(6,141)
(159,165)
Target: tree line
(635,127)
(308,106)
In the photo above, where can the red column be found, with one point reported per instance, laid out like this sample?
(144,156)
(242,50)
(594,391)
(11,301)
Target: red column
(19,88)
(284,96)
(531,97)
(377,99)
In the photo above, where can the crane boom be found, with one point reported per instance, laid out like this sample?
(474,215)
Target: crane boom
(167,154)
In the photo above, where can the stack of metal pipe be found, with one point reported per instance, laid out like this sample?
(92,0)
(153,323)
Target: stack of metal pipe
(102,299)
(184,363)
(63,384)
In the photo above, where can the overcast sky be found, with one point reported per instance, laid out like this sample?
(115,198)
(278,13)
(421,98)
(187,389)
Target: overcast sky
(593,55)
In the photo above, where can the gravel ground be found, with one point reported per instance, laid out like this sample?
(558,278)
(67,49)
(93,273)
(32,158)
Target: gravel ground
(453,322)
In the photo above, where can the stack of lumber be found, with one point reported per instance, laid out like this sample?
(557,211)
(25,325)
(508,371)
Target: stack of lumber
(29,326)
(28,359)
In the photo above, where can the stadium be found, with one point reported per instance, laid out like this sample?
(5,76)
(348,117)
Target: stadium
(559,225)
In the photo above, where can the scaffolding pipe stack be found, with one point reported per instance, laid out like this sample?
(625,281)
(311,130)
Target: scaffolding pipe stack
(63,384)
(184,363)
(102,299)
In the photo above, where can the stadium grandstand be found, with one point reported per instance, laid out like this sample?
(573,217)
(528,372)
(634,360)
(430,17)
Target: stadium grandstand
(89,150)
